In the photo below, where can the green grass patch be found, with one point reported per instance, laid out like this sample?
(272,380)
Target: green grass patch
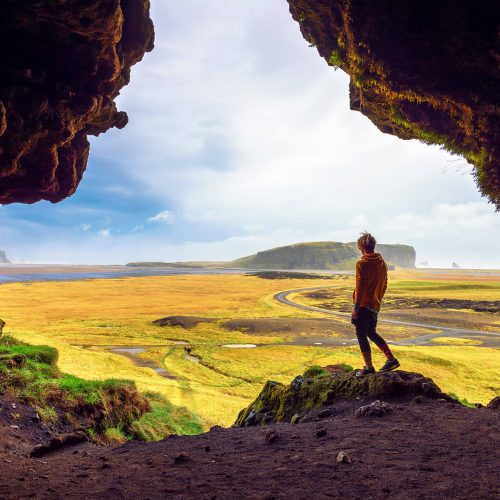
(462,401)
(315,371)
(108,410)
(165,419)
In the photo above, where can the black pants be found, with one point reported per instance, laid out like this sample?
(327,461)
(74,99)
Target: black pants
(366,325)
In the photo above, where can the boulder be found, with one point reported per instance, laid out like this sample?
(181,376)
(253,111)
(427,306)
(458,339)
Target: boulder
(375,409)
(307,396)
(494,404)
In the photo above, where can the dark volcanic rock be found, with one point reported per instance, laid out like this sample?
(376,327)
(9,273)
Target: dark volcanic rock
(185,322)
(375,409)
(494,403)
(426,70)
(307,394)
(62,64)
(431,451)
(58,442)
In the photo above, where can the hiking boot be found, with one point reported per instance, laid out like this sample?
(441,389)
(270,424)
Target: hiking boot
(390,365)
(364,372)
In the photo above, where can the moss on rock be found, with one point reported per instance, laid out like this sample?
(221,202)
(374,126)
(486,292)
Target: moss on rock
(320,387)
(419,70)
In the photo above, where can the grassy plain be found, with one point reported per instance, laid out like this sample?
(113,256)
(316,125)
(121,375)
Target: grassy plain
(451,299)
(83,319)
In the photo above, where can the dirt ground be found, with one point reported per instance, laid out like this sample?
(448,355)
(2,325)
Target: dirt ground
(430,449)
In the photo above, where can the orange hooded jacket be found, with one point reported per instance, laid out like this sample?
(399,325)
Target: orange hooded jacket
(371,282)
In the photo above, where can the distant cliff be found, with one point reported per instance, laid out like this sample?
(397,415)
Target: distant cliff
(399,255)
(322,255)
(3,258)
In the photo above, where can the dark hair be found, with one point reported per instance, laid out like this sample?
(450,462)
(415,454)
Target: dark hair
(367,241)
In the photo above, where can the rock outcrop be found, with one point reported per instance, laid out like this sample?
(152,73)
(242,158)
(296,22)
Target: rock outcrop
(312,394)
(3,257)
(62,64)
(425,70)
(322,255)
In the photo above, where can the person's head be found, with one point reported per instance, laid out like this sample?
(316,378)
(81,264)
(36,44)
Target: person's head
(366,242)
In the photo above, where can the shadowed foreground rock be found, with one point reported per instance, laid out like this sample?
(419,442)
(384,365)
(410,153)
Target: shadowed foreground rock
(419,70)
(435,449)
(318,388)
(62,64)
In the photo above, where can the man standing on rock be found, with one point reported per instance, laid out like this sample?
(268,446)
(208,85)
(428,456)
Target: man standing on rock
(371,284)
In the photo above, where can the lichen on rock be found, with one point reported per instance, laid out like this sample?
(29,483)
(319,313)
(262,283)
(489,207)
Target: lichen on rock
(62,64)
(419,70)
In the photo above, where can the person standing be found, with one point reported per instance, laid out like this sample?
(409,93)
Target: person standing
(371,284)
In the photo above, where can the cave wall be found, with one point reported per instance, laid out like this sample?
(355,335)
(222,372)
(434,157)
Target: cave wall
(422,70)
(62,64)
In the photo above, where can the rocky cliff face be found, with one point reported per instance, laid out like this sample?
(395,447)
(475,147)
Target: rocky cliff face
(323,255)
(3,258)
(62,64)
(419,70)
(399,255)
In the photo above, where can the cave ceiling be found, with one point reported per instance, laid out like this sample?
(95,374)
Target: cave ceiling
(62,64)
(426,70)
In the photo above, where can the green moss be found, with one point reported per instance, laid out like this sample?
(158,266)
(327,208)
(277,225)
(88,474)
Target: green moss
(47,414)
(462,401)
(279,403)
(478,158)
(346,367)
(315,371)
(335,60)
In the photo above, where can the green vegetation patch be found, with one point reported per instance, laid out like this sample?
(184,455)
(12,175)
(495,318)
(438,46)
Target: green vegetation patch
(107,410)
(165,419)
(462,401)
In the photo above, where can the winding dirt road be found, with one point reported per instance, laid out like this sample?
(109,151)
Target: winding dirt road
(441,331)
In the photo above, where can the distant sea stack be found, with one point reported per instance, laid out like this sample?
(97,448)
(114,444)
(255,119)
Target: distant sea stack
(323,255)
(3,258)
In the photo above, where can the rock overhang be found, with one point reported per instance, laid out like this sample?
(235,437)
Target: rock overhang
(419,70)
(62,64)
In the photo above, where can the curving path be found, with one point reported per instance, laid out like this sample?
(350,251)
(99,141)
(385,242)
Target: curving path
(441,331)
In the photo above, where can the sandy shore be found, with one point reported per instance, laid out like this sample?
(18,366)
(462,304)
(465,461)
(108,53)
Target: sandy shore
(10,269)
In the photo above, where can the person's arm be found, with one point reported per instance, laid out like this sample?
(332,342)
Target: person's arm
(357,290)
(384,286)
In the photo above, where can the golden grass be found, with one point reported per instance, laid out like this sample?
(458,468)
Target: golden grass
(411,291)
(456,341)
(98,313)
(238,375)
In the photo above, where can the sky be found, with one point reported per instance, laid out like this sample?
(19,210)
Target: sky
(240,139)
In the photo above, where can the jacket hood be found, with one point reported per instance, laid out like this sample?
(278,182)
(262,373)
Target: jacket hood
(372,257)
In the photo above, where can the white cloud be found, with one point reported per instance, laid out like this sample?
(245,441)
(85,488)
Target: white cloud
(104,233)
(84,227)
(246,135)
(165,216)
